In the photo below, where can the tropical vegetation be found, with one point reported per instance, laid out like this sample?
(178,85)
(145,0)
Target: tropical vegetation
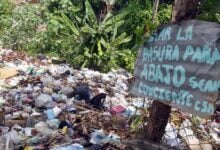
(98,34)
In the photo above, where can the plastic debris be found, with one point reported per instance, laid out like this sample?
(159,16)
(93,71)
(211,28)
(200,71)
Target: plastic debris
(117,110)
(54,106)
(75,146)
(7,73)
(43,100)
(99,137)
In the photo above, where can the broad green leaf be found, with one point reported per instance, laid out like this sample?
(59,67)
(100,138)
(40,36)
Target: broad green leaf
(74,9)
(115,32)
(136,122)
(87,29)
(105,44)
(111,28)
(86,52)
(99,62)
(90,13)
(121,39)
(70,24)
(108,16)
(123,53)
(78,19)
(85,63)
(115,18)
(119,23)
(125,40)
(100,52)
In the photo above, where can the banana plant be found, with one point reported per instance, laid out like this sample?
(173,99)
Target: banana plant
(95,44)
(106,41)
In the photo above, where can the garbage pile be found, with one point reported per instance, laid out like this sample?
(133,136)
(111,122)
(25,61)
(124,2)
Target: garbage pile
(52,106)
(46,104)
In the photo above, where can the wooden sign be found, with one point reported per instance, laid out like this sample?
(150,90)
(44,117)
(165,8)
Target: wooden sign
(180,65)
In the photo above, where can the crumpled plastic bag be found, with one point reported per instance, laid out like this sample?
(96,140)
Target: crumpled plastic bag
(43,128)
(99,137)
(6,143)
(53,123)
(43,100)
(75,146)
(14,137)
(36,140)
(4,130)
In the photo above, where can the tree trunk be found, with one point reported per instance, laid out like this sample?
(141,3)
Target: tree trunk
(184,10)
(109,7)
(159,116)
(106,8)
(155,8)
(159,112)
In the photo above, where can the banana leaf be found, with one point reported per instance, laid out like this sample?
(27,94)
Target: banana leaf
(90,14)
(70,24)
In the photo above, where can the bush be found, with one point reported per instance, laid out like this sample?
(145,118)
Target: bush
(86,41)
(5,13)
(209,10)
(21,32)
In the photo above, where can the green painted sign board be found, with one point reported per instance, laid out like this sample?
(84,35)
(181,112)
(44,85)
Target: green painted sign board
(179,65)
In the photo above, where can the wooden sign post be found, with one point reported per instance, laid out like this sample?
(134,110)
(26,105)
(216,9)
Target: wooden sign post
(160,112)
(179,67)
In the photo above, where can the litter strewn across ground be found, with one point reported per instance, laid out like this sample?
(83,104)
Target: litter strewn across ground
(46,104)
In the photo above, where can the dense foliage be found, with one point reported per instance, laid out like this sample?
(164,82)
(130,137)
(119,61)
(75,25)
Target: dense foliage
(21,32)
(87,41)
(99,34)
(209,10)
(5,12)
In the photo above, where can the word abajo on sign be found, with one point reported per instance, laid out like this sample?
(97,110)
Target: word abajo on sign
(168,74)
(164,73)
